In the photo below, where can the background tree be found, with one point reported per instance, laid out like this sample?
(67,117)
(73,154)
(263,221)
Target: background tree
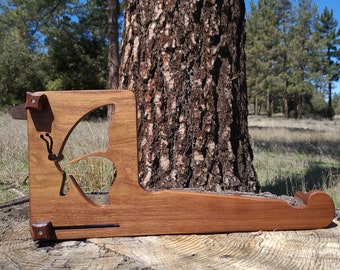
(77,46)
(113,7)
(257,63)
(46,45)
(329,37)
(302,47)
(267,39)
(290,59)
(113,50)
(20,68)
(185,60)
(282,61)
(57,45)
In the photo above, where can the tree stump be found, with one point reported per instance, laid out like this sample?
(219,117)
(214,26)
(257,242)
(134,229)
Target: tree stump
(312,249)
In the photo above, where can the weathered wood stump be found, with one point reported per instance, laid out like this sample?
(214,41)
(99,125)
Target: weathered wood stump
(310,249)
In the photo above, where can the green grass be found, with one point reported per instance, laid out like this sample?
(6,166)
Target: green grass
(289,155)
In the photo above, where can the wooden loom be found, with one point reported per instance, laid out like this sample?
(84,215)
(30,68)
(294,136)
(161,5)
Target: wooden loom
(132,210)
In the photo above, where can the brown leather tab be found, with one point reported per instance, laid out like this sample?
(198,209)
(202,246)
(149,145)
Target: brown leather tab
(42,231)
(40,111)
(19,112)
(35,101)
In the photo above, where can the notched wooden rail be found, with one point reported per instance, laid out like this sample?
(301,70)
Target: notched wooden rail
(131,209)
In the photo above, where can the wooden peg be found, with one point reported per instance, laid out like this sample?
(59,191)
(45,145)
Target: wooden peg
(42,231)
(35,101)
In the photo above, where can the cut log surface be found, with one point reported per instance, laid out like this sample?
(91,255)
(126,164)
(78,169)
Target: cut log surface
(305,249)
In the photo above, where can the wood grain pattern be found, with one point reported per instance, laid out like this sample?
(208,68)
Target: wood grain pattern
(131,209)
(303,249)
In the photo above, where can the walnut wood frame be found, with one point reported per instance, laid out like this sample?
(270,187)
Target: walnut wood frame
(132,210)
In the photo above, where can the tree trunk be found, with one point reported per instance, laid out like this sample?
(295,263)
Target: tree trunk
(269,104)
(299,106)
(113,51)
(285,104)
(330,111)
(112,36)
(256,105)
(185,61)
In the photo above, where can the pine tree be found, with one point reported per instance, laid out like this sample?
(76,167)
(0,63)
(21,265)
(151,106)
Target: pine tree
(285,20)
(113,51)
(329,39)
(77,46)
(302,48)
(268,38)
(20,69)
(262,39)
(257,66)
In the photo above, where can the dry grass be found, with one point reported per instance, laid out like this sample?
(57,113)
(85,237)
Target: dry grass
(289,155)
(292,155)
(13,158)
(93,174)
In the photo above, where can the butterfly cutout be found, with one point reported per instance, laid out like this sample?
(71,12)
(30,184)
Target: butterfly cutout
(81,159)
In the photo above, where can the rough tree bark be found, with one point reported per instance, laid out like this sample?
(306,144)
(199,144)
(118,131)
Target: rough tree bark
(185,61)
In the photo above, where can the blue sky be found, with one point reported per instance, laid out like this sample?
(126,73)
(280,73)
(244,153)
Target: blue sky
(331,5)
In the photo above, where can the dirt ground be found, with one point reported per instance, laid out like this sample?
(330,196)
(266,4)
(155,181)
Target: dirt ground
(310,249)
